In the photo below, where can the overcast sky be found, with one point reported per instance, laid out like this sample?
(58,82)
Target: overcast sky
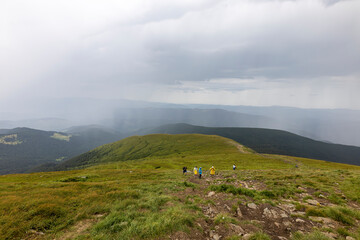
(302,53)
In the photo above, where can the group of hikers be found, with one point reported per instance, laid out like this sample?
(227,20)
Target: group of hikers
(198,172)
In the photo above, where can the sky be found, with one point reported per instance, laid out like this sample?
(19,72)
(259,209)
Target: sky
(299,53)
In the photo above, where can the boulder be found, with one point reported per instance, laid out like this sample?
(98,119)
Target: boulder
(313,202)
(238,212)
(252,206)
(299,220)
(349,238)
(210,194)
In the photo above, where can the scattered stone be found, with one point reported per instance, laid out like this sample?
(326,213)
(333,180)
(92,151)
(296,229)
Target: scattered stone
(246,236)
(301,213)
(304,195)
(237,229)
(321,219)
(287,223)
(313,202)
(257,222)
(270,213)
(277,224)
(238,212)
(321,196)
(36,232)
(283,215)
(210,194)
(301,188)
(227,207)
(216,237)
(252,206)
(349,238)
(287,207)
(282,238)
(330,235)
(299,220)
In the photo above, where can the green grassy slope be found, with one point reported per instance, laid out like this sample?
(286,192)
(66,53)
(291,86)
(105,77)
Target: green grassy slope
(170,151)
(273,142)
(126,196)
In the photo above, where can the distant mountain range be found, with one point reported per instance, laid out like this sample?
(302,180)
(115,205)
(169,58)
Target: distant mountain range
(272,142)
(133,119)
(330,125)
(29,150)
(23,149)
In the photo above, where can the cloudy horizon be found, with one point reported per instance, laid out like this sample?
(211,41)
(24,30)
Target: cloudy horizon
(230,52)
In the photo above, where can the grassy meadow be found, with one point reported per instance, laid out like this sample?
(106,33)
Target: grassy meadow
(133,190)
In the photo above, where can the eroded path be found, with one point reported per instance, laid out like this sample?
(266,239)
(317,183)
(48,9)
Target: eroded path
(227,214)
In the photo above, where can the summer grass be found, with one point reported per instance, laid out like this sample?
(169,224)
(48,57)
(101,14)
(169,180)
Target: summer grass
(134,198)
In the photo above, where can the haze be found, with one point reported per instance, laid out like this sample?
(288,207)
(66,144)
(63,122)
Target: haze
(60,58)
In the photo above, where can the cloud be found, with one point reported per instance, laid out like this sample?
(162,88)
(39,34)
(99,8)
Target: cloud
(98,49)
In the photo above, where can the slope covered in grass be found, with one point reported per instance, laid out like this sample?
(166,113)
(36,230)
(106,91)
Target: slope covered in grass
(157,146)
(272,141)
(136,199)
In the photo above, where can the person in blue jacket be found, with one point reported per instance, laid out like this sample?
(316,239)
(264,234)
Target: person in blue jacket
(200,172)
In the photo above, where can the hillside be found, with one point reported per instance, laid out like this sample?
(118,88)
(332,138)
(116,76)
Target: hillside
(135,189)
(158,146)
(273,142)
(23,149)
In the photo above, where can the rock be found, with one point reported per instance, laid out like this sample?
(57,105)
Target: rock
(349,238)
(304,195)
(301,213)
(283,215)
(267,213)
(227,207)
(299,220)
(216,237)
(330,235)
(210,194)
(237,229)
(270,213)
(321,196)
(313,202)
(246,236)
(238,212)
(287,223)
(277,224)
(321,219)
(252,206)
(36,232)
(282,238)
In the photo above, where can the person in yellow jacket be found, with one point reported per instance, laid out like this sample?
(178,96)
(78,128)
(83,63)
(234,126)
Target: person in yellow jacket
(195,170)
(212,171)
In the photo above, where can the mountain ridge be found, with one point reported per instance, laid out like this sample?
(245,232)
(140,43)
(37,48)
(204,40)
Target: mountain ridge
(272,141)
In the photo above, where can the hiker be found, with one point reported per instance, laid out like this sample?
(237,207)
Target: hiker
(234,166)
(212,171)
(184,170)
(195,171)
(200,172)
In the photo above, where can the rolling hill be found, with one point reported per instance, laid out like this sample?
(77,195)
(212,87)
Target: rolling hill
(272,142)
(135,189)
(154,146)
(23,149)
